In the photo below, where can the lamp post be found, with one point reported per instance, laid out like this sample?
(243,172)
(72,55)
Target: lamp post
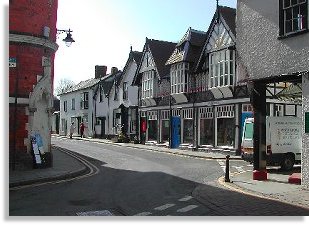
(68,39)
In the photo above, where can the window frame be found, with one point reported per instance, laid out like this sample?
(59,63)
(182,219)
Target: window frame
(85,100)
(282,18)
(148,84)
(116,92)
(125,91)
(73,104)
(101,94)
(65,106)
(179,78)
(221,73)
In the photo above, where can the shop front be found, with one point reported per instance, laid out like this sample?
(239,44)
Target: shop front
(152,129)
(225,126)
(206,126)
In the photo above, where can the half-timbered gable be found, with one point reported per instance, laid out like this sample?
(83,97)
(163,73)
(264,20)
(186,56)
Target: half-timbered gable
(218,57)
(152,70)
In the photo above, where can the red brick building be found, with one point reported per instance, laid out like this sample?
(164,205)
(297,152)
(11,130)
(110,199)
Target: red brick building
(32,47)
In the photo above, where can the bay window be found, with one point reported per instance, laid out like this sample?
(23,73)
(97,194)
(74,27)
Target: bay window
(147,84)
(179,78)
(222,68)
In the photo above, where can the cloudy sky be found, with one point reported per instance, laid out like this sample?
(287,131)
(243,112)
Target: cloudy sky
(104,30)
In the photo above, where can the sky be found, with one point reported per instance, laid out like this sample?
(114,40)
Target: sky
(104,30)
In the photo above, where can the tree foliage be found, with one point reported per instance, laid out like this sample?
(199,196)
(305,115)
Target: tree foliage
(63,85)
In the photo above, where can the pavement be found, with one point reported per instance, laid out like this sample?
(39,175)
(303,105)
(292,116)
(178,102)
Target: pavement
(66,166)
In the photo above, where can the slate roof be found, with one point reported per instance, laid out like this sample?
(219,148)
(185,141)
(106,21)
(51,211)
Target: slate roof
(188,48)
(161,51)
(137,56)
(108,81)
(82,85)
(229,15)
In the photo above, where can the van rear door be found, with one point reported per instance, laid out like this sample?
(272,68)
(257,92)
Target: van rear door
(247,139)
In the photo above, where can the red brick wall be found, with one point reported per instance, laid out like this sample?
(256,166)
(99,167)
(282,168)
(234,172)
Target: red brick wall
(21,131)
(30,16)
(29,65)
(27,17)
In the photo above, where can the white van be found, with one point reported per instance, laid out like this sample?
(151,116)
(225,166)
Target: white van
(283,141)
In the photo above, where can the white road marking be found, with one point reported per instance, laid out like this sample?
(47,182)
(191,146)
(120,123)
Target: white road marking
(239,168)
(143,214)
(164,207)
(95,213)
(221,163)
(184,199)
(223,168)
(187,208)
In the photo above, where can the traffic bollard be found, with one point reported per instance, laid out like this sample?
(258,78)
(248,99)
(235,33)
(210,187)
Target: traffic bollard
(227,169)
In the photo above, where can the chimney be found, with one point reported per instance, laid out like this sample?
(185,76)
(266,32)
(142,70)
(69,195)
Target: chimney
(114,70)
(100,71)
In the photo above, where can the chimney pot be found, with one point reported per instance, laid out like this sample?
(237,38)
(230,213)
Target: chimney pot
(114,70)
(100,71)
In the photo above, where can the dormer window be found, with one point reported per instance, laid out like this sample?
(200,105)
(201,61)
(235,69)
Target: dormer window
(179,78)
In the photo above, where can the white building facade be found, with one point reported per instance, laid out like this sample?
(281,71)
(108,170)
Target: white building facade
(77,105)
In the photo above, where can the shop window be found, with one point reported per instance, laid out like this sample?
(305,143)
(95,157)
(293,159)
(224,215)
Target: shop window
(225,131)
(152,130)
(165,130)
(206,132)
(188,131)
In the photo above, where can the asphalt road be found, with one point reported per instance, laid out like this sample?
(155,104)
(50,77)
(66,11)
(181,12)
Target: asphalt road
(137,182)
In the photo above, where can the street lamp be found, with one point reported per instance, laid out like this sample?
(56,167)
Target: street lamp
(68,39)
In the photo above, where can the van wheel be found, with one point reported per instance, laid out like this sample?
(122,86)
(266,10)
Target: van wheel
(288,162)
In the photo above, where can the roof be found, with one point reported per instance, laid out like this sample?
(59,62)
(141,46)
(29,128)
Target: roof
(82,85)
(109,80)
(229,15)
(188,48)
(161,51)
(137,56)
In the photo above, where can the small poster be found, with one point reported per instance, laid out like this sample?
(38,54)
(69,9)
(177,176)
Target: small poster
(36,151)
(39,140)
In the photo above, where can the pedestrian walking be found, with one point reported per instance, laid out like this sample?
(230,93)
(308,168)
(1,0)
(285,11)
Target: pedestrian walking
(81,129)
(72,130)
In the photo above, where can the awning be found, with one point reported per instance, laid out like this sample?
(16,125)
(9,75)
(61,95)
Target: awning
(221,92)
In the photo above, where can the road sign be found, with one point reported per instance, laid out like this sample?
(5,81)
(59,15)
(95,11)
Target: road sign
(12,62)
